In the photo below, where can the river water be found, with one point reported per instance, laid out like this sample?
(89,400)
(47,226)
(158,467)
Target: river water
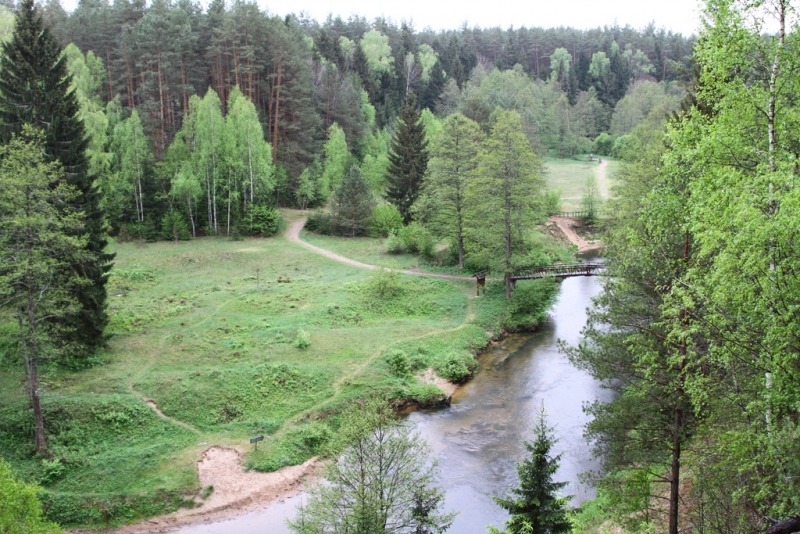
(478,440)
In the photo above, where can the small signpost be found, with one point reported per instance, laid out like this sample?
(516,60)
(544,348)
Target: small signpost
(480,281)
(255,440)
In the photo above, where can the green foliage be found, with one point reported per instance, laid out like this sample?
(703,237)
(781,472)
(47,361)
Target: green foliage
(175,227)
(457,366)
(384,283)
(261,220)
(34,91)
(303,339)
(20,509)
(603,144)
(399,363)
(337,161)
(385,219)
(454,159)
(383,478)
(408,160)
(416,239)
(353,204)
(536,506)
(505,196)
(552,202)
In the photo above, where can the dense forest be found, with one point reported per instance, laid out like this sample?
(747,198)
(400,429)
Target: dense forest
(157,81)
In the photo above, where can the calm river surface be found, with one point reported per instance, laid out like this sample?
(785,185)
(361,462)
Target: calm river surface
(478,440)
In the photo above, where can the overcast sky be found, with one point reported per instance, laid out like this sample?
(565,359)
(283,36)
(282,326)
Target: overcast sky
(677,15)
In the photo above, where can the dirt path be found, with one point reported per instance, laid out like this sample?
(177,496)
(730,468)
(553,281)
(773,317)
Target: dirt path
(565,224)
(602,179)
(235,490)
(293,234)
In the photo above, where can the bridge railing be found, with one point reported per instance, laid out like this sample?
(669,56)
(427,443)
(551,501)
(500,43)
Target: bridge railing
(557,270)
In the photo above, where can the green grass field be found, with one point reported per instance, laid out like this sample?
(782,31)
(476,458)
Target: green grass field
(570,177)
(207,330)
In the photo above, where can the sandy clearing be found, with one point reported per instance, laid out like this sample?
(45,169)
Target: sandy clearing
(565,224)
(430,377)
(235,490)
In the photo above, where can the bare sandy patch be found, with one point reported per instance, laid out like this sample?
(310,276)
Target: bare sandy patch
(236,491)
(566,225)
(430,377)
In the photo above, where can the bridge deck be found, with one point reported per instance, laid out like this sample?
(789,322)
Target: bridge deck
(565,270)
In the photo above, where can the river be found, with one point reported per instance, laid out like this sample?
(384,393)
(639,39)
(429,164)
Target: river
(478,440)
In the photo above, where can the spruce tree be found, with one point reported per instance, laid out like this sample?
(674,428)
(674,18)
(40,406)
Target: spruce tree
(408,160)
(353,203)
(34,89)
(537,508)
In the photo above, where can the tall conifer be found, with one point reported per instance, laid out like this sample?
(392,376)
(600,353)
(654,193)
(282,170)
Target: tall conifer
(408,159)
(34,89)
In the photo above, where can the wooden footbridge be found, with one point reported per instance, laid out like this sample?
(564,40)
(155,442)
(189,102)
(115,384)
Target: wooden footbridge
(535,272)
(558,270)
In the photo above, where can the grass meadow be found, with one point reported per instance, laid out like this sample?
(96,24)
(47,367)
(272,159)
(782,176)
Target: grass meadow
(569,176)
(231,339)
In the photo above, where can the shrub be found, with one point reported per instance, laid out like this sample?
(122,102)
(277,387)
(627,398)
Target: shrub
(603,144)
(394,245)
(619,146)
(303,340)
(385,219)
(458,367)
(319,222)
(529,304)
(261,220)
(399,363)
(552,202)
(384,283)
(417,239)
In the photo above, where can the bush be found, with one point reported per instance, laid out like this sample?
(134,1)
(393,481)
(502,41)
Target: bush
(261,220)
(384,283)
(394,245)
(619,146)
(552,202)
(303,340)
(417,239)
(174,227)
(529,304)
(603,144)
(319,222)
(385,219)
(399,363)
(458,367)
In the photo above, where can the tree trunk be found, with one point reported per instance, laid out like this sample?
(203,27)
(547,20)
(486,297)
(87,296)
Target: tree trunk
(32,370)
(277,113)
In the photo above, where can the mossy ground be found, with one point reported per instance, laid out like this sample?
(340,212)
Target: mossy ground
(207,329)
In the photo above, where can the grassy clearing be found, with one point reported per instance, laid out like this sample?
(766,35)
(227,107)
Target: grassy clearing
(570,177)
(231,339)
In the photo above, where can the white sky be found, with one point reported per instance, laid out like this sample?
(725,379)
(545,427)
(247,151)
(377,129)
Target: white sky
(677,15)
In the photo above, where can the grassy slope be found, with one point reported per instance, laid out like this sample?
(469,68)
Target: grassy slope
(205,329)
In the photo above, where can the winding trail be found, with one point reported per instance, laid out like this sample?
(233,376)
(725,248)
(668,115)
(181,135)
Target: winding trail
(293,234)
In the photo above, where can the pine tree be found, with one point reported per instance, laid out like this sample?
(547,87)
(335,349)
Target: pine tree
(408,160)
(34,89)
(353,203)
(538,509)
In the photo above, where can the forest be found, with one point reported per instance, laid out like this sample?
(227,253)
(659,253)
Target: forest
(156,82)
(159,143)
